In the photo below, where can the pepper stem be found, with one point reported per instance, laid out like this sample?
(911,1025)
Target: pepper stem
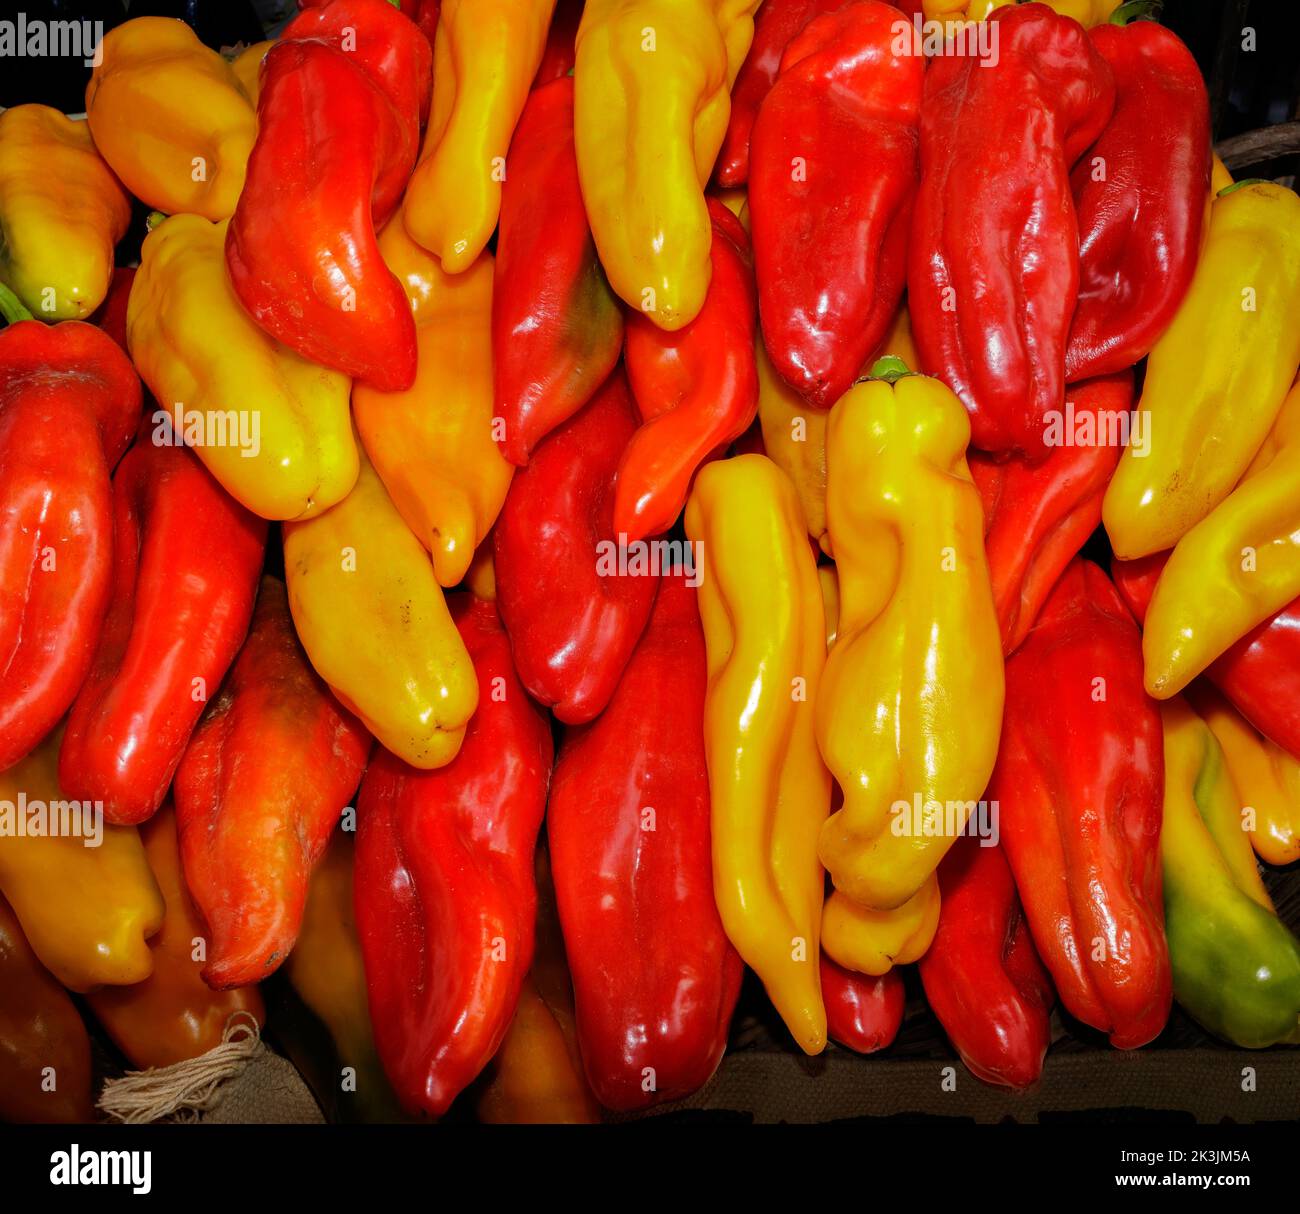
(12,308)
(1136,10)
(891,368)
(1236,185)
(153,219)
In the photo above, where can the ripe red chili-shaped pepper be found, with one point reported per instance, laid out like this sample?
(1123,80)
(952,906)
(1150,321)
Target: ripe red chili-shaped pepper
(561,52)
(982,977)
(994,256)
(69,403)
(1259,674)
(696,388)
(654,977)
(833,172)
(1140,198)
(863,1013)
(263,781)
(344,92)
(557,328)
(445,890)
(186,560)
(573,630)
(775,23)
(1080,784)
(1038,516)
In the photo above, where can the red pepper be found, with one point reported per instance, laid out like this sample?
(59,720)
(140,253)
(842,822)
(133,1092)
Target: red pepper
(573,630)
(557,328)
(775,23)
(1140,197)
(267,773)
(445,890)
(344,93)
(1259,674)
(1079,783)
(832,178)
(1038,516)
(994,257)
(696,388)
(69,403)
(654,978)
(423,12)
(982,977)
(111,314)
(186,560)
(863,1013)
(560,54)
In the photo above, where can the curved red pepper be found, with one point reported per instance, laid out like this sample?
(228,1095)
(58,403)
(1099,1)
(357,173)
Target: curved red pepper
(1259,674)
(445,891)
(775,23)
(982,976)
(69,403)
(186,561)
(863,1013)
(696,388)
(111,314)
(344,93)
(654,977)
(833,172)
(994,257)
(560,54)
(1079,783)
(1140,224)
(573,630)
(557,328)
(1038,516)
(263,781)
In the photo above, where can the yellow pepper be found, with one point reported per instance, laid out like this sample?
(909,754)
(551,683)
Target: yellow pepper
(61,213)
(910,708)
(1087,13)
(485,56)
(87,912)
(171,118)
(830,602)
(247,66)
(433,444)
(1217,377)
(1266,777)
(216,372)
(1235,568)
(765,634)
(652,96)
(873,941)
(374,623)
(1220,178)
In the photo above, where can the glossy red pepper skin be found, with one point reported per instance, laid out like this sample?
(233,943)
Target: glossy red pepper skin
(994,259)
(572,631)
(1080,784)
(186,562)
(654,977)
(1038,516)
(338,134)
(423,12)
(830,242)
(1259,674)
(1140,226)
(982,976)
(863,1013)
(264,779)
(445,889)
(561,53)
(69,403)
(696,388)
(557,328)
(775,23)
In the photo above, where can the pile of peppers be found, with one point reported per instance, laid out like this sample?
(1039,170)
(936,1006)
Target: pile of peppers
(571,501)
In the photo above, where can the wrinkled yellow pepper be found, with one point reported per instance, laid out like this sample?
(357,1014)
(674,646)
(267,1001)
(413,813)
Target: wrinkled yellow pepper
(61,213)
(171,118)
(910,708)
(87,911)
(374,623)
(874,941)
(652,96)
(485,56)
(1238,565)
(1217,377)
(765,634)
(433,444)
(211,367)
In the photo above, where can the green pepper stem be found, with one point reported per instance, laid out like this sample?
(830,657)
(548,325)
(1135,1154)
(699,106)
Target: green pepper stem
(1136,10)
(890,368)
(1236,185)
(11,307)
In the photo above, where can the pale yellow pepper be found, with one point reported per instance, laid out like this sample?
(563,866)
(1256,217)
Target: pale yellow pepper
(247,66)
(207,362)
(765,634)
